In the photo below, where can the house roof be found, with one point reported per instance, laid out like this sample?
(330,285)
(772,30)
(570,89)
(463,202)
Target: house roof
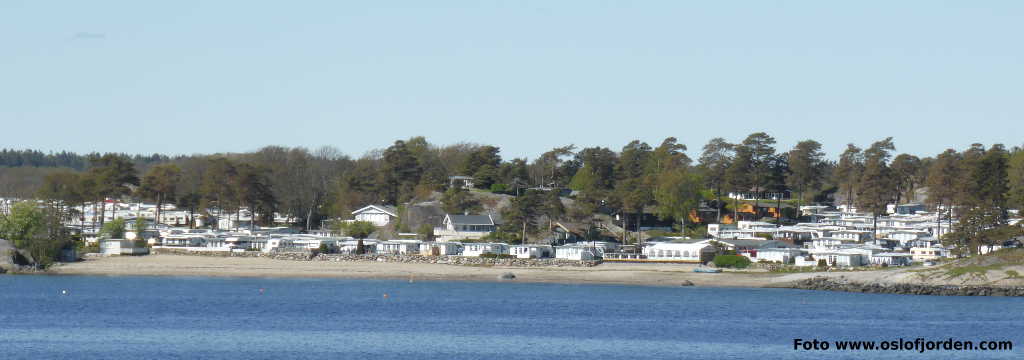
(471,219)
(390,210)
(755,244)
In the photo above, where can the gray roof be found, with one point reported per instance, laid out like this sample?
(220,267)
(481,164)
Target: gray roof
(756,244)
(471,219)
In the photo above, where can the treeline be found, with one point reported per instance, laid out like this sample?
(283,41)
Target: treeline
(977,184)
(35,158)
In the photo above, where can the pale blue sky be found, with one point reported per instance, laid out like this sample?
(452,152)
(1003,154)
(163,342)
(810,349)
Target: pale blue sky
(214,76)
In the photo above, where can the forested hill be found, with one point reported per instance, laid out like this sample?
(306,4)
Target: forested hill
(12,158)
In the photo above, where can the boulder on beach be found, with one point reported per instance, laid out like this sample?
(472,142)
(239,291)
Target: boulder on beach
(507,276)
(6,256)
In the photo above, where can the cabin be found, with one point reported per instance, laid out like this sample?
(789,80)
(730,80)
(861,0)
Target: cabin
(698,251)
(478,249)
(575,252)
(116,247)
(398,248)
(835,258)
(531,251)
(928,253)
(379,215)
(440,248)
(776,255)
(461,181)
(891,259)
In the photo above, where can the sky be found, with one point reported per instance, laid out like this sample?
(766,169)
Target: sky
(184,77)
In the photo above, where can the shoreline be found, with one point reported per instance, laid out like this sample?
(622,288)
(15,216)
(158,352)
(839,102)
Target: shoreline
(892,280)
(611,274)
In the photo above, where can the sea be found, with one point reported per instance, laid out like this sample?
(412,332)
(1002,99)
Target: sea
(100,317)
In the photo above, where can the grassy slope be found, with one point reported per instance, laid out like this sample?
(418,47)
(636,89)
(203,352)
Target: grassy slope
(1001,267)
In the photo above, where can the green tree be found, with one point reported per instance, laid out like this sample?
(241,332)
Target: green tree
(140,226)
(113,175)
(482,156)
(905,167)
(359,230)
(457,200)
(160,184)
(1015,179)
(983,199)
(597,172)
(61,192)
(521,215)
(677,193)
(737,176)
(218,186)
(549,165)
(714,163)
(942,182)
(24,222)
(399,174)
(848,172)
(425,232)
(253,189)
(190,202)
(34,231)
(759,147)
(876,190)
(806,161)
(552,207)
(670,155)
(114,229)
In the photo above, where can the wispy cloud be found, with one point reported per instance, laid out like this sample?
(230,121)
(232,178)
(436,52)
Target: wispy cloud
(89,36)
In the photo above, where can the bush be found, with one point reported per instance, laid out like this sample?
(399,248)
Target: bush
(496,256)
(822,263)
(732,261)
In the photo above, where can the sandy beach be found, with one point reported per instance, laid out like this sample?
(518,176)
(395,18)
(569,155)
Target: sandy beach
(607,273)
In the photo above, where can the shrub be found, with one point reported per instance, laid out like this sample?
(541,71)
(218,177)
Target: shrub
(496,256)
(732,261)
(822,263)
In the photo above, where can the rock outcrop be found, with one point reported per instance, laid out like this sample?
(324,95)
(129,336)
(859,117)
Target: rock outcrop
(832,284)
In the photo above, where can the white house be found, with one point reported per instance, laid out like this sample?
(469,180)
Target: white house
(855,235)
(891,259)
(928,253)
(465,227)
(531,251)
(841,258)
(276,243)
(398,247)
(379,215)
(715,229)
(600,247)
(121,247)
(779,255)
(574,252)
(695,252)
(440,248)
(477,249)
(463,181)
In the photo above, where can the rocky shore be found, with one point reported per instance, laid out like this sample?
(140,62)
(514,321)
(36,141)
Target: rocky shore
(833,284)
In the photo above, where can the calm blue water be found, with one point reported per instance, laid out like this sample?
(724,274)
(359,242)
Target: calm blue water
(218,318)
